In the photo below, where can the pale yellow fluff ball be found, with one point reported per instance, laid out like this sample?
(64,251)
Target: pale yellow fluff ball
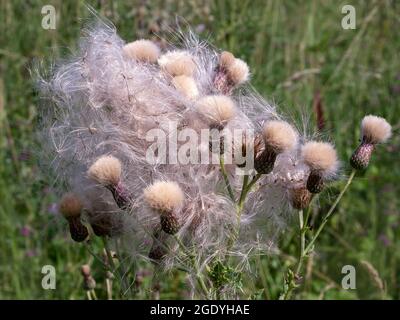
(320,156)
(238,71)
(279,135)
(218,108)
(70,205)
(142,50)
(106,171)
(186,85)
(164,195)
(177,63)
(375,129)
(226,59)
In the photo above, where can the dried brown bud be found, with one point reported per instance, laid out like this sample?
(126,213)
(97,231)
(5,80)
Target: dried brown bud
(77,230)
(315,182)
(265,161)
(300,198)
(169,222)
(361,156)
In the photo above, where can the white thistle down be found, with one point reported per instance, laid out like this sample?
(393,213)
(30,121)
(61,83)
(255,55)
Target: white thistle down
(109,94)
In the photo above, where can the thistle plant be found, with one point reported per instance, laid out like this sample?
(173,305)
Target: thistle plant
(184,205)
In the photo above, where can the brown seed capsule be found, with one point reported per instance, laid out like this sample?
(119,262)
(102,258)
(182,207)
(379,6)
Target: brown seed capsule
(315,182)
(78,231)
(169,223)
(265,161)
(361,156)
(300,198)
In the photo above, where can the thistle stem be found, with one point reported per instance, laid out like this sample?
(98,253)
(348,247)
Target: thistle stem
(304,250)
(124,285)
(330,212)
(226,179)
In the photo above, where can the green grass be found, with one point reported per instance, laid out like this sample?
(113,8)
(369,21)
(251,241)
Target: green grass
(356,72)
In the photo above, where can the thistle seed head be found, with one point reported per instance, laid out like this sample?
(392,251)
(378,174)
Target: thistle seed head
(226,59)
(299,197)
(375,129)
(164,196)
(177,63)
(70,205)
(279,136)
(218,109)
(106,171)
(320,157)
(142,50)
(238,72)
(186,86)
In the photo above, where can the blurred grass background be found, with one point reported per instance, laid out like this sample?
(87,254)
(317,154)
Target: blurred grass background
(300,57)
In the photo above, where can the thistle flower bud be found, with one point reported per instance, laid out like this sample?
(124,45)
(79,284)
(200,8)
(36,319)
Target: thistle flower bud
(177,63)
(88,281)
(374,130)
(218,110)
(230,72)
(85,270)
(322,160)
(186,86)
(107,171)
(299,197)
(142,50)
(279,136)
(166,197)
(71,207)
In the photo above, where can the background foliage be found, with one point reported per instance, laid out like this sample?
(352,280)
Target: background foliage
(300,58)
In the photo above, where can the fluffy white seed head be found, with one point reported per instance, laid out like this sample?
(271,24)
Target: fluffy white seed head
(177,63)
(375,129)
(186,85)
(164,196)
(70,205)
(218,108)
(320,156)
(226,59)
(142,50)
(106,171)
(280,135)
(238,71)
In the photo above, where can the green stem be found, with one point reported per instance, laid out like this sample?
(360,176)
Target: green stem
(226,179)
(303,229)
(330,212)
(124,285)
